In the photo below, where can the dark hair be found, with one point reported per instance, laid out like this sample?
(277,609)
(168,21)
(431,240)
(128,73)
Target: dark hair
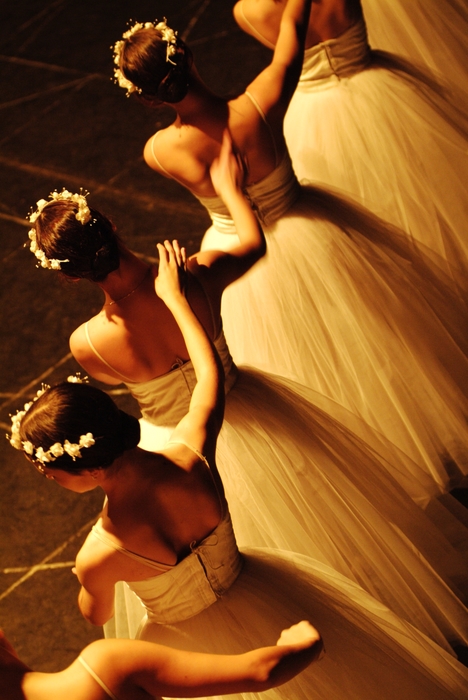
(92,249)
(143,62)
(68,411)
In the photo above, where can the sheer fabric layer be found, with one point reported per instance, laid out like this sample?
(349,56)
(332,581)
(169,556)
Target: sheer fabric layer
(378,128)
(370,652)
(342,304)
(429,32)
(303,474)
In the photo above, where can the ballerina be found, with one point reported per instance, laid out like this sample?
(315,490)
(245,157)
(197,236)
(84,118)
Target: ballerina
(311,484)
(165,529)
(124,670)
(341,303)
(373,126)
(432,35)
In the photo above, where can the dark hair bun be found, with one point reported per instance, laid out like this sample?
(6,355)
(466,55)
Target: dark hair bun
(130,430)
(91,250)
(70,410)
(144,62)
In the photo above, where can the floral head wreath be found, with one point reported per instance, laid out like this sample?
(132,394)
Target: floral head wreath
(168,35)
(57,449)
(83,215)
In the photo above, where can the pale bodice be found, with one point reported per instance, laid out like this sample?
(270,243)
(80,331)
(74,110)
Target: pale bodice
(270,198)
(165,400)
(341,57)
(183,590)
(196,582)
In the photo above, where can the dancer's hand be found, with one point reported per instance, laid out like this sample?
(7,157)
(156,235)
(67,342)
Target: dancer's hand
(299,636)
(227,170)
(170,282)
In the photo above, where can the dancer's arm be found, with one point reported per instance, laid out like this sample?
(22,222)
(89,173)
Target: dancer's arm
(201,425)
(274,86)
(218,267)
(260,18)
(97,579)
(162,671)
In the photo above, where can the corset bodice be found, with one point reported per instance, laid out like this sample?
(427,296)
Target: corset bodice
(165,400)
(270,198)
(342,57)
(196,582)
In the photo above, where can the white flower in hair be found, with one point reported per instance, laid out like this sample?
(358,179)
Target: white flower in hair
(118,46)
(16,442)
(83,215)
(32,238)
(42,456)
(39,207)
(168,35)
(57,449)
(14,438)
(87,440)
(77,379)
(72,449)
(16,419)
(28,447)
(123,82)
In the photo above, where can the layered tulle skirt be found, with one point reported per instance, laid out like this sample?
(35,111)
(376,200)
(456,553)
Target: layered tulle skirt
(301,480)
(370,653)
(342,304)
(397,142)
(429,32)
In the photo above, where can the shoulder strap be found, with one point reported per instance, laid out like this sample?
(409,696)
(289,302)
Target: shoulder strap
(99,533)
(199,454)
(255,31)
(167,173)
(94,675)
(100,357)
(265,121)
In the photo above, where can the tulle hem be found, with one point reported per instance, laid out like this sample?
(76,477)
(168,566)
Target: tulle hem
(301,480)
(370,653)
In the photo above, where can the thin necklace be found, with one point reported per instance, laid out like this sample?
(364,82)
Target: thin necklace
(116,301)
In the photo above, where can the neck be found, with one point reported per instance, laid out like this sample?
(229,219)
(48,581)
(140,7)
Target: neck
(124,281)
(124,478)
(198,99)
(114,479)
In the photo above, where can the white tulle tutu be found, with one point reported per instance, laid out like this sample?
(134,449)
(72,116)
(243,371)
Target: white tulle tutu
(301,480)
(430,32)
(370,653)
(341,304)
(375,128)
